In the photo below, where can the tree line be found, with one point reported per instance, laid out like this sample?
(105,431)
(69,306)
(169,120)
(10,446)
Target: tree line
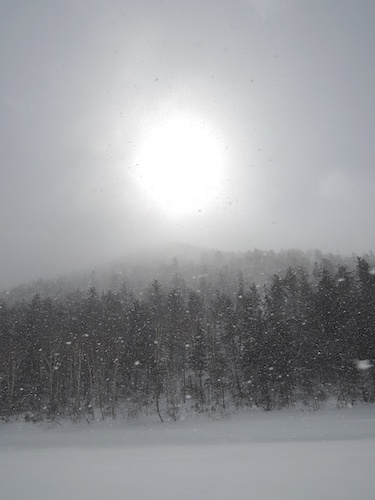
(302,337)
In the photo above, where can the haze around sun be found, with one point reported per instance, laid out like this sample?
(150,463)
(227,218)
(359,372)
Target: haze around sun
(227,125)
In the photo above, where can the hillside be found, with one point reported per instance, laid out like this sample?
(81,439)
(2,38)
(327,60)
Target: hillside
(188,262)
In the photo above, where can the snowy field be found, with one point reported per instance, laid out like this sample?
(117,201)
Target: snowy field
(285,455)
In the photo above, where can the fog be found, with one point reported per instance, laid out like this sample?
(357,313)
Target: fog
(284,88)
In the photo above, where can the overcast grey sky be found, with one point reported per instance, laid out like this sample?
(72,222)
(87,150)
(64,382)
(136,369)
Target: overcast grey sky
(288,87)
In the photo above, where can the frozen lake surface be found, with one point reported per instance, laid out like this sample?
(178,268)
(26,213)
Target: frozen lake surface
(284,455)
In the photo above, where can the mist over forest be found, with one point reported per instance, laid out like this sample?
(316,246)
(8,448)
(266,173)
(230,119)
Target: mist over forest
(180,329)
(191,263)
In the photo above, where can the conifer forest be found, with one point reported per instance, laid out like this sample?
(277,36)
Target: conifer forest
(216,343)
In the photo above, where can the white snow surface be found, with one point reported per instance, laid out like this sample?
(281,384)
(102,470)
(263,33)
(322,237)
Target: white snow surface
(291,455)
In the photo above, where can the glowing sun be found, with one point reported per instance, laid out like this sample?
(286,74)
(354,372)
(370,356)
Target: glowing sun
(180,164)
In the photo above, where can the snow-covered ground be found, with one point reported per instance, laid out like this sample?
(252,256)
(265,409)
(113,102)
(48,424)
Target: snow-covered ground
(291,455)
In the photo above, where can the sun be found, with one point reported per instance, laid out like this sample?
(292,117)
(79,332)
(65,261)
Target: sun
(180,164)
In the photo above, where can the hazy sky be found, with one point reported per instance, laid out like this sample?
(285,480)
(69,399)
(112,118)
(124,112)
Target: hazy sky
(284,90)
